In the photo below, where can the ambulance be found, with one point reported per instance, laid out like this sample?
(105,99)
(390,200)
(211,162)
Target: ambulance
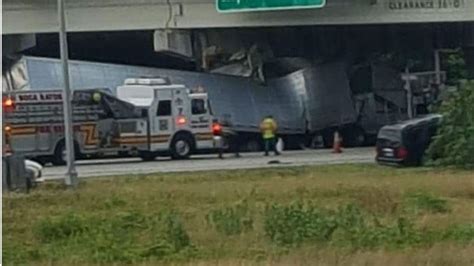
(149,117)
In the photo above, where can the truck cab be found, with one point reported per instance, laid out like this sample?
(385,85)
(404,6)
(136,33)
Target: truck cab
(179,120)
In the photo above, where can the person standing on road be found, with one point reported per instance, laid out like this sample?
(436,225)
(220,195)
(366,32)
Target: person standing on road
(268,127)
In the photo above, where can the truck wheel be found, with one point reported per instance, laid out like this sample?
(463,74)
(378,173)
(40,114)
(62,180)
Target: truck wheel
(328,139)
(181,147)
(359,138)
(355,137)
(59,157)
(60,154)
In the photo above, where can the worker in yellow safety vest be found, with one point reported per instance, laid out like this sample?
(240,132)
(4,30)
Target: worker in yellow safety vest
(268,127)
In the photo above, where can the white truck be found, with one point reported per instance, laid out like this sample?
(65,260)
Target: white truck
(149,118)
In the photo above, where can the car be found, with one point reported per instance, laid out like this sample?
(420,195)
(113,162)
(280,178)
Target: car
(405,143)
(34,172)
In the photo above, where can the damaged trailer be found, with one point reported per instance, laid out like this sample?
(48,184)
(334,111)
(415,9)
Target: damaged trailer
(306,103)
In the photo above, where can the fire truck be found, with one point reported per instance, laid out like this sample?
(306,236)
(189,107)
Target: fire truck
(149,117)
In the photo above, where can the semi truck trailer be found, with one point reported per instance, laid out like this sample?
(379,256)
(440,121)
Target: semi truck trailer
(310,102)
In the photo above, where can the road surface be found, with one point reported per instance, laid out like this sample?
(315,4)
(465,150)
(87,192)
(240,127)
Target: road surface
(108,167)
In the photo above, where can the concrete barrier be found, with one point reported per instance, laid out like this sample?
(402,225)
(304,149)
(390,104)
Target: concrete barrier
(14,175)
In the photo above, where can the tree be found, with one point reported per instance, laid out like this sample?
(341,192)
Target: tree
(454,142)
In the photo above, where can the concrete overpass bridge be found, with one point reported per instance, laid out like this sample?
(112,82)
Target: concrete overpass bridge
(39,16)
(189,26)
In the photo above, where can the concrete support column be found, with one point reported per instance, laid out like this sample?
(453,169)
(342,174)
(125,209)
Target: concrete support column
(174,41)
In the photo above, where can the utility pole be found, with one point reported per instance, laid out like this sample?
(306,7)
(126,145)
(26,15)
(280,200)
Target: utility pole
(437,62)
(71,174)
(408,78)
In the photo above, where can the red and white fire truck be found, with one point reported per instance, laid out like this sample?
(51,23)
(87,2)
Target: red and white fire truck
(149,117)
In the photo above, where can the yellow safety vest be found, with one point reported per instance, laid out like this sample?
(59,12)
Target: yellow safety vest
(268,128)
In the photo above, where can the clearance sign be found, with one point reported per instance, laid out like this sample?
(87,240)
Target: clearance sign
(424,4)
(226,6)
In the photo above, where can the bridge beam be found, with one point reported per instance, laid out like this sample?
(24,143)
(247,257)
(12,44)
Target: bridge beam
(37,16)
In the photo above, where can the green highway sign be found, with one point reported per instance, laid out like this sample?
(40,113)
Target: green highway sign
(263,5)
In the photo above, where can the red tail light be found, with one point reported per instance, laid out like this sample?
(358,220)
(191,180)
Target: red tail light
(8,130)
(402,153)
(216,129)
(181,120)
(8,104)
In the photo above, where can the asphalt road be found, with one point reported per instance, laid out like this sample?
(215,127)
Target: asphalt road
(108,167)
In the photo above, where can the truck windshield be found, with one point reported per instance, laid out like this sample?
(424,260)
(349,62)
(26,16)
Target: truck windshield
(198,107)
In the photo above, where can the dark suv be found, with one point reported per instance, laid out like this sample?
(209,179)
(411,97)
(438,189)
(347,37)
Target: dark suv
(405,143)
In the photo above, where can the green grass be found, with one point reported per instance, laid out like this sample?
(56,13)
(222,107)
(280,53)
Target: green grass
(336,215)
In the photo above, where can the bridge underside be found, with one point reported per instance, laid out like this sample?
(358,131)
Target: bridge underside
(314,43)
(39,16)
(132,31)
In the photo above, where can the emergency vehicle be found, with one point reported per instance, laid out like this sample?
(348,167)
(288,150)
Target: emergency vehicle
(150,117)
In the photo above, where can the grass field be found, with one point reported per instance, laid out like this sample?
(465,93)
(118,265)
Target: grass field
(324,215)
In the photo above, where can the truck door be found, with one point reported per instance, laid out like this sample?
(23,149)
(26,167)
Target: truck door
(161,125)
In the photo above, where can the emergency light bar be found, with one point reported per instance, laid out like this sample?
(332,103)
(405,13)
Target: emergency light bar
(198,89)
(146,81)
(8,102)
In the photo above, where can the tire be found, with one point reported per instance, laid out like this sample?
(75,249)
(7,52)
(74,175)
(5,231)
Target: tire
(147,156)
(181,147)
(59,154)
(354,137)
(59,157)
(328,139)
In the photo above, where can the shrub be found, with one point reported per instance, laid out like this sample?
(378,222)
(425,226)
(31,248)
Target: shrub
(462,233)
(175,232)
(427,202)
(231,220)
(454,143)
(168,236)
(61,227)
(295,223)
(349,226)
(456,67)
(357,231)
(124,237)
